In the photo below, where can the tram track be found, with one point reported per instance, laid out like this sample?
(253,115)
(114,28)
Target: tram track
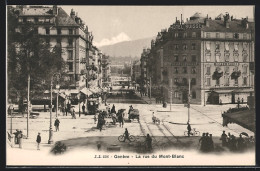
(163,130)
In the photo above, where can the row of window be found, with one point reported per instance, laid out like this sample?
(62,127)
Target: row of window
(35,20)
(227,57)
(227,69)
(226,46)
(227,35)
(177,94)
(226,81)
(47,31)
(184,35)
(184,47)
(184,58)
(58,40)
(184,70)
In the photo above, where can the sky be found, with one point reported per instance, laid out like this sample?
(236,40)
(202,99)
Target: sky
(113,24)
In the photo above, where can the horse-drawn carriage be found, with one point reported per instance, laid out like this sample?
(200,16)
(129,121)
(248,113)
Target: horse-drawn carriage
(92,106)
(133,114)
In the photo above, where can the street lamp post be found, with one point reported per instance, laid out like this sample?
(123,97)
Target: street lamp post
(171,96)
(150,90)
(57,102)
(11,114)
(189,103)
(79,102)
(51,131)
(50,141)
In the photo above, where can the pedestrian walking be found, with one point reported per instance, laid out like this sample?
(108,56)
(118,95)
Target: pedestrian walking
(38,140)
(126,137)
(223,138)
(57,124)
(242,101)
(83,108)
(238,102)
(189,129)
(73,113)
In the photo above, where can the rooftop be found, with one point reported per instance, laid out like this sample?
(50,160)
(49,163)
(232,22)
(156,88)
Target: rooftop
(34,11)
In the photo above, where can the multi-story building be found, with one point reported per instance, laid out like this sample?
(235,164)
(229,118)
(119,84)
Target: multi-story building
(227,51)
(70,33)
(217,56)
(136,71)
(106,71)
(58,28)
(144,68)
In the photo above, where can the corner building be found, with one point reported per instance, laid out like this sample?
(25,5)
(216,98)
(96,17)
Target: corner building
(216,55)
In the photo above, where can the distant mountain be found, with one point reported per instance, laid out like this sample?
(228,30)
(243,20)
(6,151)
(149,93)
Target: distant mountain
(127,49)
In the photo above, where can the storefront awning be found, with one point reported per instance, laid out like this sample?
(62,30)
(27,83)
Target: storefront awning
(245,118)
(62,95)
(86,91)
(243,91)
(95,90)
(223,91)
(233,91)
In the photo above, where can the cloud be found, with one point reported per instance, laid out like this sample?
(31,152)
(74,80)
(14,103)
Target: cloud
(122,37)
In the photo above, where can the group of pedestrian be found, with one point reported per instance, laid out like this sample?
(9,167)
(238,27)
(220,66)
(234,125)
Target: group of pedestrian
(18,137)
(206,142)
(234,144)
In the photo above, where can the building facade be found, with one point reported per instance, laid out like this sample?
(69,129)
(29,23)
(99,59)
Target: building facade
(215,56)
(71,34)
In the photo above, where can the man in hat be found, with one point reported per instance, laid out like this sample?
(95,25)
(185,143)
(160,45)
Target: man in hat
(224,139)
(38,140)
(57,124)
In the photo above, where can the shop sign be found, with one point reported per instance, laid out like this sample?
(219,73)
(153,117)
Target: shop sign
(226,64)
(184,64)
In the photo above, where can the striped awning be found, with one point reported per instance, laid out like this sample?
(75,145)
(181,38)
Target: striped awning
(86,91)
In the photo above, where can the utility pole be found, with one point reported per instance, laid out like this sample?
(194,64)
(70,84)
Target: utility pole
(150,90)
(189,103)
(51,131)
(28,110)
(171,96)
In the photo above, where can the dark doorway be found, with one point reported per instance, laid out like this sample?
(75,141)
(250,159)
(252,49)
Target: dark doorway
(233,101)
(184,96)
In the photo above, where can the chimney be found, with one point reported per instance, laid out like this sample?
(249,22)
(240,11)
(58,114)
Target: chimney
(176,20)
(207,21)
(72,14)
(226,20)
(181,18)
(55,10)
(244,22)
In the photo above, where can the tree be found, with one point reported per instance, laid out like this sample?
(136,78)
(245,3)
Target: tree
(30,56)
